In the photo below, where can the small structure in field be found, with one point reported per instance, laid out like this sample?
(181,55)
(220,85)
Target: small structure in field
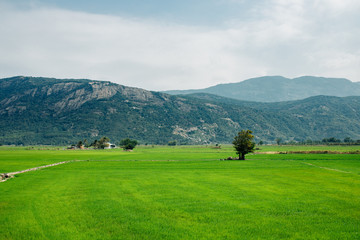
(110,146)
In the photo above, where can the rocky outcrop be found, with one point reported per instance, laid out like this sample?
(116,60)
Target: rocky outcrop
(76,97)
(68,94)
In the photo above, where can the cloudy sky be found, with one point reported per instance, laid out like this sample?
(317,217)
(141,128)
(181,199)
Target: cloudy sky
(179,44)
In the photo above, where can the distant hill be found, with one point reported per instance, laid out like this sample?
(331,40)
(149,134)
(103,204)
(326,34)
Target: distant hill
(54,111)
(277,88)
(314,118)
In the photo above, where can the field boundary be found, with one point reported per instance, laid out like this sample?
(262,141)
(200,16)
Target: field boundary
(5,176)
(331,169)
(309,152)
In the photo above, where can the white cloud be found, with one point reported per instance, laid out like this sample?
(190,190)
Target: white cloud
(337,6)
(290,38)
(62,43)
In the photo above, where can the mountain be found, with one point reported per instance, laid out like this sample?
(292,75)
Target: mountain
(55,111)
(277,88)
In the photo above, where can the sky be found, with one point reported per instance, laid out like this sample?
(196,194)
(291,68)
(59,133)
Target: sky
(180,44)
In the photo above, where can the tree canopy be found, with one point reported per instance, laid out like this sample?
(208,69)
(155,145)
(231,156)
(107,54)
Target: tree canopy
(128,144)
(102,143)
(243,143)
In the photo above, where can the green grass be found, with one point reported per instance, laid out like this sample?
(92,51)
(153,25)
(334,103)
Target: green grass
(179,193)
(19,158)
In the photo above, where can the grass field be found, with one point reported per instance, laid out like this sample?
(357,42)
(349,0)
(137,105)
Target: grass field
(180,193)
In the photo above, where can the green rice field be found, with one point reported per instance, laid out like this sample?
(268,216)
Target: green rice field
(182,192)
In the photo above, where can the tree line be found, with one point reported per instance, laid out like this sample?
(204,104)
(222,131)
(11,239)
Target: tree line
(324,141)
(104,142)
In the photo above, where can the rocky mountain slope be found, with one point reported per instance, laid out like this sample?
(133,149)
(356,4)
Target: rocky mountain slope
(53,111)
(277,88)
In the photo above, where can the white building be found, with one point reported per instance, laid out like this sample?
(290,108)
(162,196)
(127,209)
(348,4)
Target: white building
(110,146)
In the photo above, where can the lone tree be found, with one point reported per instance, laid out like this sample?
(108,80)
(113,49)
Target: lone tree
(128,144)
(243,143)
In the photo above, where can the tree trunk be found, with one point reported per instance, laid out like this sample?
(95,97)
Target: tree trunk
(242,156)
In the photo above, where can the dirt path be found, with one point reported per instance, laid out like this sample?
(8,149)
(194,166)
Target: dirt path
(6,176)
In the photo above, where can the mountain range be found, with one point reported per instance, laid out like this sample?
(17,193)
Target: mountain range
(277,88)
(35,110)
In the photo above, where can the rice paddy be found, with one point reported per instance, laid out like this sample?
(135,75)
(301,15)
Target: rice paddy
(182,192)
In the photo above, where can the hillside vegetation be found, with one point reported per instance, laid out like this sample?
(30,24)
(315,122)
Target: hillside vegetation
(54,111)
